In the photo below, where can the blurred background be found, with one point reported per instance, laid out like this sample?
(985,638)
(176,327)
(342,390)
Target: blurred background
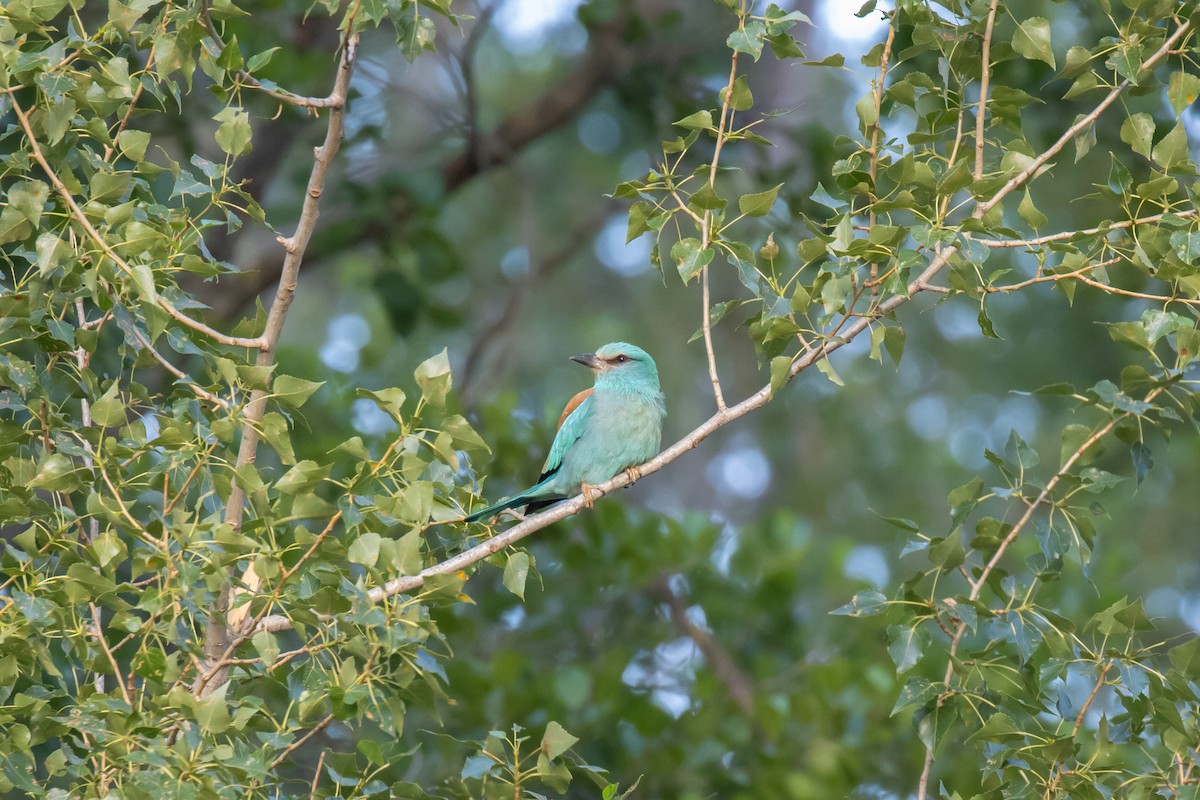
(682,629)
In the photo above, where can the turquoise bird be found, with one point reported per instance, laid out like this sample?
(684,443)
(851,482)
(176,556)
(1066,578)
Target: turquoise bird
(615,425)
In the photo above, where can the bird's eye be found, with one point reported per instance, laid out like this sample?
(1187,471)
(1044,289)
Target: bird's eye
(621,359)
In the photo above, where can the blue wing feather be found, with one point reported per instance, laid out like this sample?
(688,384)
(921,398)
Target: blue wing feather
(568,433)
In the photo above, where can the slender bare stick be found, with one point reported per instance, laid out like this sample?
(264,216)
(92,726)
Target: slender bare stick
(725,119)
(1058,237)
(245,77)
(978,583)
(985,65)
(217,639)
(81,218)
(1081,125)
(875,131)
(98,632)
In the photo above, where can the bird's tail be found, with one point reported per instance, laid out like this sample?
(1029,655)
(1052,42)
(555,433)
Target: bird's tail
(528,497)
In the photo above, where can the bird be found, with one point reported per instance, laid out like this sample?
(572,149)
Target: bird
(615,425)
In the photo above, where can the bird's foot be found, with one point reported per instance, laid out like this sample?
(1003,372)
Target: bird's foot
(635,475)
(590,495)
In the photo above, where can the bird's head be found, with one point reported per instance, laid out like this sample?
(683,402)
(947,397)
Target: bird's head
(621,363)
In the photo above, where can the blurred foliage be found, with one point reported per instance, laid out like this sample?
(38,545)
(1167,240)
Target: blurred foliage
(973,575)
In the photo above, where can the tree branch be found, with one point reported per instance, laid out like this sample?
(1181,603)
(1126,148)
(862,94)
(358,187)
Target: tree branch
(978,583)
(81,218)
(1073,131)
(740,689)
(217,637)
(985,78)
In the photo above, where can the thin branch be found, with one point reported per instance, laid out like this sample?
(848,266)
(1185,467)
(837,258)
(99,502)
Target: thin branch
(183,377)
(81,218)
(740,689)
(1058,237)
(1088,703)
(876,129)
(282,95)
(1073,131)
(985,78)
(726,119)
(291,748)
(98,632)
(217,639)
(978,583)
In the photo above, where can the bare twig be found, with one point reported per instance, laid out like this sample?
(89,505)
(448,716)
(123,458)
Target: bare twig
(98,633)
(726,119)
(198,390)
(1058,237)
(282,95)
(740,689)
(1081,125)
(979,582)
(217,639)
(1088,703)
(291,748)
(985,64)
(81,218)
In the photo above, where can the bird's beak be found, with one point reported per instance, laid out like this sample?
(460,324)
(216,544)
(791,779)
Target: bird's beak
(589,360)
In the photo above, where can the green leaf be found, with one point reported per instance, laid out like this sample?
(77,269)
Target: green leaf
(233,134)
(294,392)
(690,258)
(701,120)
(516,570)
(905,645)
(212,711)
(780,367)
(1029,212)
(864,604)
(556,740)
(1032,40)
(433,376)
(55,474)
(108,411)
(267,647)
(760,203)
(1138,132)
(364,550)
(706,199)
(640,214)
(390,400)
(740,97)
(133,144)
(304,475)
(1172,148)
(107,548)
(826,368)
(748,39)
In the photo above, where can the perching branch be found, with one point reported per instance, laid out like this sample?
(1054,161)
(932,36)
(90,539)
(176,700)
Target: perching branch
(567,508)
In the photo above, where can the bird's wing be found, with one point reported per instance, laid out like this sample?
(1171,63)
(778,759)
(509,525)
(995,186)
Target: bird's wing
(570,428)
(572,404)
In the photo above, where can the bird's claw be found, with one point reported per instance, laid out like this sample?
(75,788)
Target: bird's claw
(635,475)
(590,495)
